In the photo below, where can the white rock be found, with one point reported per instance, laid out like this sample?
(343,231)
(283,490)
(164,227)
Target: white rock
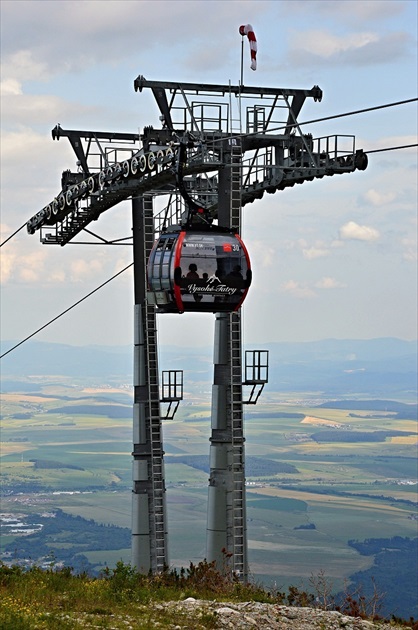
(227,611)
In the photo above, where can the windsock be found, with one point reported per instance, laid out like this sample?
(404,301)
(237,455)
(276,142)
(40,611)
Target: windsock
(247,29)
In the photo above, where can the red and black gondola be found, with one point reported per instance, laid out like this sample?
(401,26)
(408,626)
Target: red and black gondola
(192,270)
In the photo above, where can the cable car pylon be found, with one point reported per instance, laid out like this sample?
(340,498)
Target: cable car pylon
(190,257)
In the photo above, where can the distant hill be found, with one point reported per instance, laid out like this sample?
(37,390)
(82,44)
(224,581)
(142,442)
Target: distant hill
(406,412)
(40,358)
(383,366)
(372,368)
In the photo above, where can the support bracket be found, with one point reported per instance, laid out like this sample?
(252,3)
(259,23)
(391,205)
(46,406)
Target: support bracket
(255,374)
(171,391)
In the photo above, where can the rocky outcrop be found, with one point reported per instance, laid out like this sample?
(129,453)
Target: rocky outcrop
(258,616)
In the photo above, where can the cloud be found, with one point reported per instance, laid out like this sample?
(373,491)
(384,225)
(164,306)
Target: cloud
(410,253)
(78,33)
(364,11)
(376,198)
(5,230)
(297,290)
(320,47)
(387,142)
(22,268)
(326,45)
(74,35)
(21,66)
(354,12)
(293,244)
(310,252)
(261,254)
(6,266)
(121,263)
(329,283)
(10,87)
(31,263)
(354,231)
(315,252)
(57,276)
(13,144)
(18,108)
(80,269)
(31,166)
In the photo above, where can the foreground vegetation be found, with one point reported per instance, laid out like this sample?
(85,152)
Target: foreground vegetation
(324,480)
(38,599)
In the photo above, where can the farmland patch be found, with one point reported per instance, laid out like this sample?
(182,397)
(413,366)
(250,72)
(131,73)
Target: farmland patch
(111,411)
(332,435)
(255,466)
(277,503)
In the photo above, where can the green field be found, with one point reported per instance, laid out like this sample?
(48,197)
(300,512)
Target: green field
(342,489)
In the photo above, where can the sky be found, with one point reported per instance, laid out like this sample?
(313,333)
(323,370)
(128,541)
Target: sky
(333,258)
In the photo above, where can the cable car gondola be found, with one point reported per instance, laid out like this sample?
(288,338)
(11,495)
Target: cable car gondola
(193,270)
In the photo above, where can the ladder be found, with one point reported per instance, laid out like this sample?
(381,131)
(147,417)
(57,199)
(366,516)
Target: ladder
(157,507)
(238,533)
(236,183)
(238,528)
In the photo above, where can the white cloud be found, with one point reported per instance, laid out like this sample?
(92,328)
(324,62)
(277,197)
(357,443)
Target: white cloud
(318,250)
(21,66)
(52,266)
(73,35)
(297,290)
(121,263)
(261,254)
(80,269)
(319,47)
(10,87)
(386,142)
(19,108)
(22,268)
(355,11)
(28,147)
(324,44)
(7,262)
(31,165)
(410,252)
(293,244)
(354,231)
(57,276)
(30,274)
(5,230)
(314,252)
(366,10)
(329,283)
(376,198)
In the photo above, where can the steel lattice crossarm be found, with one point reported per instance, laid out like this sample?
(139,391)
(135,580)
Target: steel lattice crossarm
(114,166)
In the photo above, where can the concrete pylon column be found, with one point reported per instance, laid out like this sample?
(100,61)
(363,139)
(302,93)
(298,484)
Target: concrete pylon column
(220,460)
(226,536)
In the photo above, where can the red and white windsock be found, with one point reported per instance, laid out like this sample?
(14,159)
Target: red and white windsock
(247,29)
